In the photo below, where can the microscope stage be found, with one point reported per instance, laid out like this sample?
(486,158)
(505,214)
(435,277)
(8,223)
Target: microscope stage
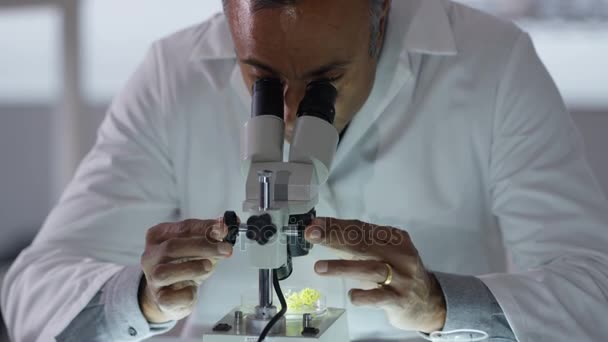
(332,327)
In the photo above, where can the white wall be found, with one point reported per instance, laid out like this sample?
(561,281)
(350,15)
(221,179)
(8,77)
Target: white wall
(116,42)
(25,183)
(29,54)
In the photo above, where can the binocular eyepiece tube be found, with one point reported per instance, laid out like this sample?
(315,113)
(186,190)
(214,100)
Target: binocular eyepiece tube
(319,99)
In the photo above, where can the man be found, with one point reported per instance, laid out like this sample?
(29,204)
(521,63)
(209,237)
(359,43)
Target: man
(454,140)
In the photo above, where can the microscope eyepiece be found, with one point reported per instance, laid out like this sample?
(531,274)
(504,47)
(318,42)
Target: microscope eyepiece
(267,98)
(319,101)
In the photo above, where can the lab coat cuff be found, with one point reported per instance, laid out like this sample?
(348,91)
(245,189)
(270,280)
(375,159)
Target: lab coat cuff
(125,320)
(471,305)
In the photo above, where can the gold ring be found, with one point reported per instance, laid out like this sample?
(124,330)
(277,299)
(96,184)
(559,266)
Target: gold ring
(389,276)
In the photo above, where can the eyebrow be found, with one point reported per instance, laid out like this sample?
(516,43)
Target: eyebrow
(317,72)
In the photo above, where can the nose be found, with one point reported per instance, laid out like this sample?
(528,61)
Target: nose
(293,95)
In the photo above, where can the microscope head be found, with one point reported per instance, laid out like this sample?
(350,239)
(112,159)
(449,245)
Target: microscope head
(281,195)
(295,181)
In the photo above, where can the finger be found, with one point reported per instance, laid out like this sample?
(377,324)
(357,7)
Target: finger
(211,229)
(192,248)
(183,284)
(381,297)
(175,300)
(218,232)
(365,270)
(172,273)
(359,238)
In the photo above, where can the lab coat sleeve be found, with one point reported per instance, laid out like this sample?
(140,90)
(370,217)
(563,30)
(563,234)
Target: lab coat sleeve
(471,305)
(114,314)
(124,186)
(551,210)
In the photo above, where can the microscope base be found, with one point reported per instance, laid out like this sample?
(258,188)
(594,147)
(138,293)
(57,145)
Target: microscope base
(332,326)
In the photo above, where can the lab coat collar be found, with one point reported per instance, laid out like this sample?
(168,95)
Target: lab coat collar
(428,31)
(396,70)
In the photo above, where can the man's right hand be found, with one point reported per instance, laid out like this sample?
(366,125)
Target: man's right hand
(178,257)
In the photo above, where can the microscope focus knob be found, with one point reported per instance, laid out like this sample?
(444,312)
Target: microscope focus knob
(231,220)
(261,229)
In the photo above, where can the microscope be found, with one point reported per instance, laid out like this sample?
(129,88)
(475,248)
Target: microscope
(280,198)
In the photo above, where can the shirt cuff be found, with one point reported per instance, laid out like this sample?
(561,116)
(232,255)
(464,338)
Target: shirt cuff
(471,305)
(124,318)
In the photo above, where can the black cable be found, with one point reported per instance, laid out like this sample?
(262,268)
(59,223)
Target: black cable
(281,313)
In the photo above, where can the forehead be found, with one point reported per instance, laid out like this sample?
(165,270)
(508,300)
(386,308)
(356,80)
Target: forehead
(311,30)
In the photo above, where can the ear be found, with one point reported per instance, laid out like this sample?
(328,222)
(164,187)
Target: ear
(382,29)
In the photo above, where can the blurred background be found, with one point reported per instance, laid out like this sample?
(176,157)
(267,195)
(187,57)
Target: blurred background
(62,61)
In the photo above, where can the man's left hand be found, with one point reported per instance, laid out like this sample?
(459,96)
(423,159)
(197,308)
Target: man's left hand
(413,300)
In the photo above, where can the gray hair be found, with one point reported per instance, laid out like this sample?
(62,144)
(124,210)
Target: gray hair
(376,11)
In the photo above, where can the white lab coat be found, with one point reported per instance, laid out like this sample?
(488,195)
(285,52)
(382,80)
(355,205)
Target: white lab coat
(464,142)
